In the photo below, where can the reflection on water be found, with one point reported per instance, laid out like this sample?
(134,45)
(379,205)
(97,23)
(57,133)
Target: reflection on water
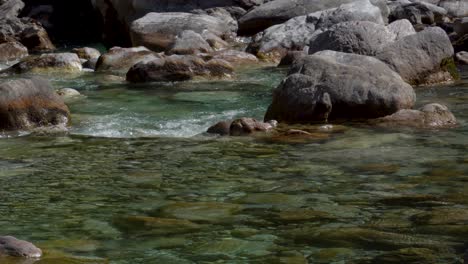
(130,184)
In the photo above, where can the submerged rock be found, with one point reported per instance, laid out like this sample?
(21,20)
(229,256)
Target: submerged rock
(158,31)
(241,127)
(120,60)
(210,212)
(48,63)
(11,246)
(155,226)
(30,103)
(429,116)
(407,256)
(178,68)
(334,85)
(12,51)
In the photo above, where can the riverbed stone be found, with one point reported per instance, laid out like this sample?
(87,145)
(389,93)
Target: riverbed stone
(158,31)
(11,246)
(36,39)
(443,216)
(429,116)
(48,63)
(335,85)
(87,53)
(179,68)
(189,42)
(233,247)
(68,94)
(407,255)
(119,60)
(246,126)
(210,212)
(235,57)
(12,51)
(462,57)
(30,103)
(155,225)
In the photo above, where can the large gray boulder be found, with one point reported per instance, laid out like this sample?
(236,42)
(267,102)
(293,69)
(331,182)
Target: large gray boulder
(419,13)
(119,60)
(359,37)
(428,116)
(297,33)
(48,63)
(455,8)
(422,58)
(11,246)
(189,42)
(178,68)
(26,104)
(9,9)
(332,85)
(158,31)
(279,11)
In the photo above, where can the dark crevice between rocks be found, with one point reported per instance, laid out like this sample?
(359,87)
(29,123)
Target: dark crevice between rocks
(70,22)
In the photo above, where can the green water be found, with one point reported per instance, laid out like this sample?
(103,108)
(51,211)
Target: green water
(135,182)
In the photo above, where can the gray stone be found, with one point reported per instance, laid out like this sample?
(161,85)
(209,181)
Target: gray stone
(178,68)
(48,63)
(11,246)
(87,53)
(455,8)
(235,57)
(335,85)
(462,57)
(429,116)
(30,103)
(421,58)
(189,42)
(120,60)
(10,8)
(157,31)
(360,37)
(419,13)
(12,51)
(401,28)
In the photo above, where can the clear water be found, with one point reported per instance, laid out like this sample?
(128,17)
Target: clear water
(135,182)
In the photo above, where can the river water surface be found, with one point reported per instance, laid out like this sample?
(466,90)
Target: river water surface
(134,181)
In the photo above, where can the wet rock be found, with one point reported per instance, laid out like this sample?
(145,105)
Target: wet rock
(87,53)
(232,247)
(268,200)
(443,216)
(119,60)
(429,116)
(407,255)
(222,128)
(48,63)
(68,94)
(12,51)
(412,200)
(90,64)
(216,43)
(235,57)
(158,31)
(355,237)
(247,126)
(210,212)
(330,255)
(189,42)
(301,215)
(178,68)
(334,85)
(11,246)
(462,57)
(422,58)
(155,226)
(30,103)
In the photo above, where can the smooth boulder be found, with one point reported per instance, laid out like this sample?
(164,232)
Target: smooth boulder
(178,68)
(189,42)
(429,116)
(120,60)
(422,58)
(87,53)
(12,51)
(48,63)
(241,127)
(332,85)
(30,103)
(11,246)
(158,31)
